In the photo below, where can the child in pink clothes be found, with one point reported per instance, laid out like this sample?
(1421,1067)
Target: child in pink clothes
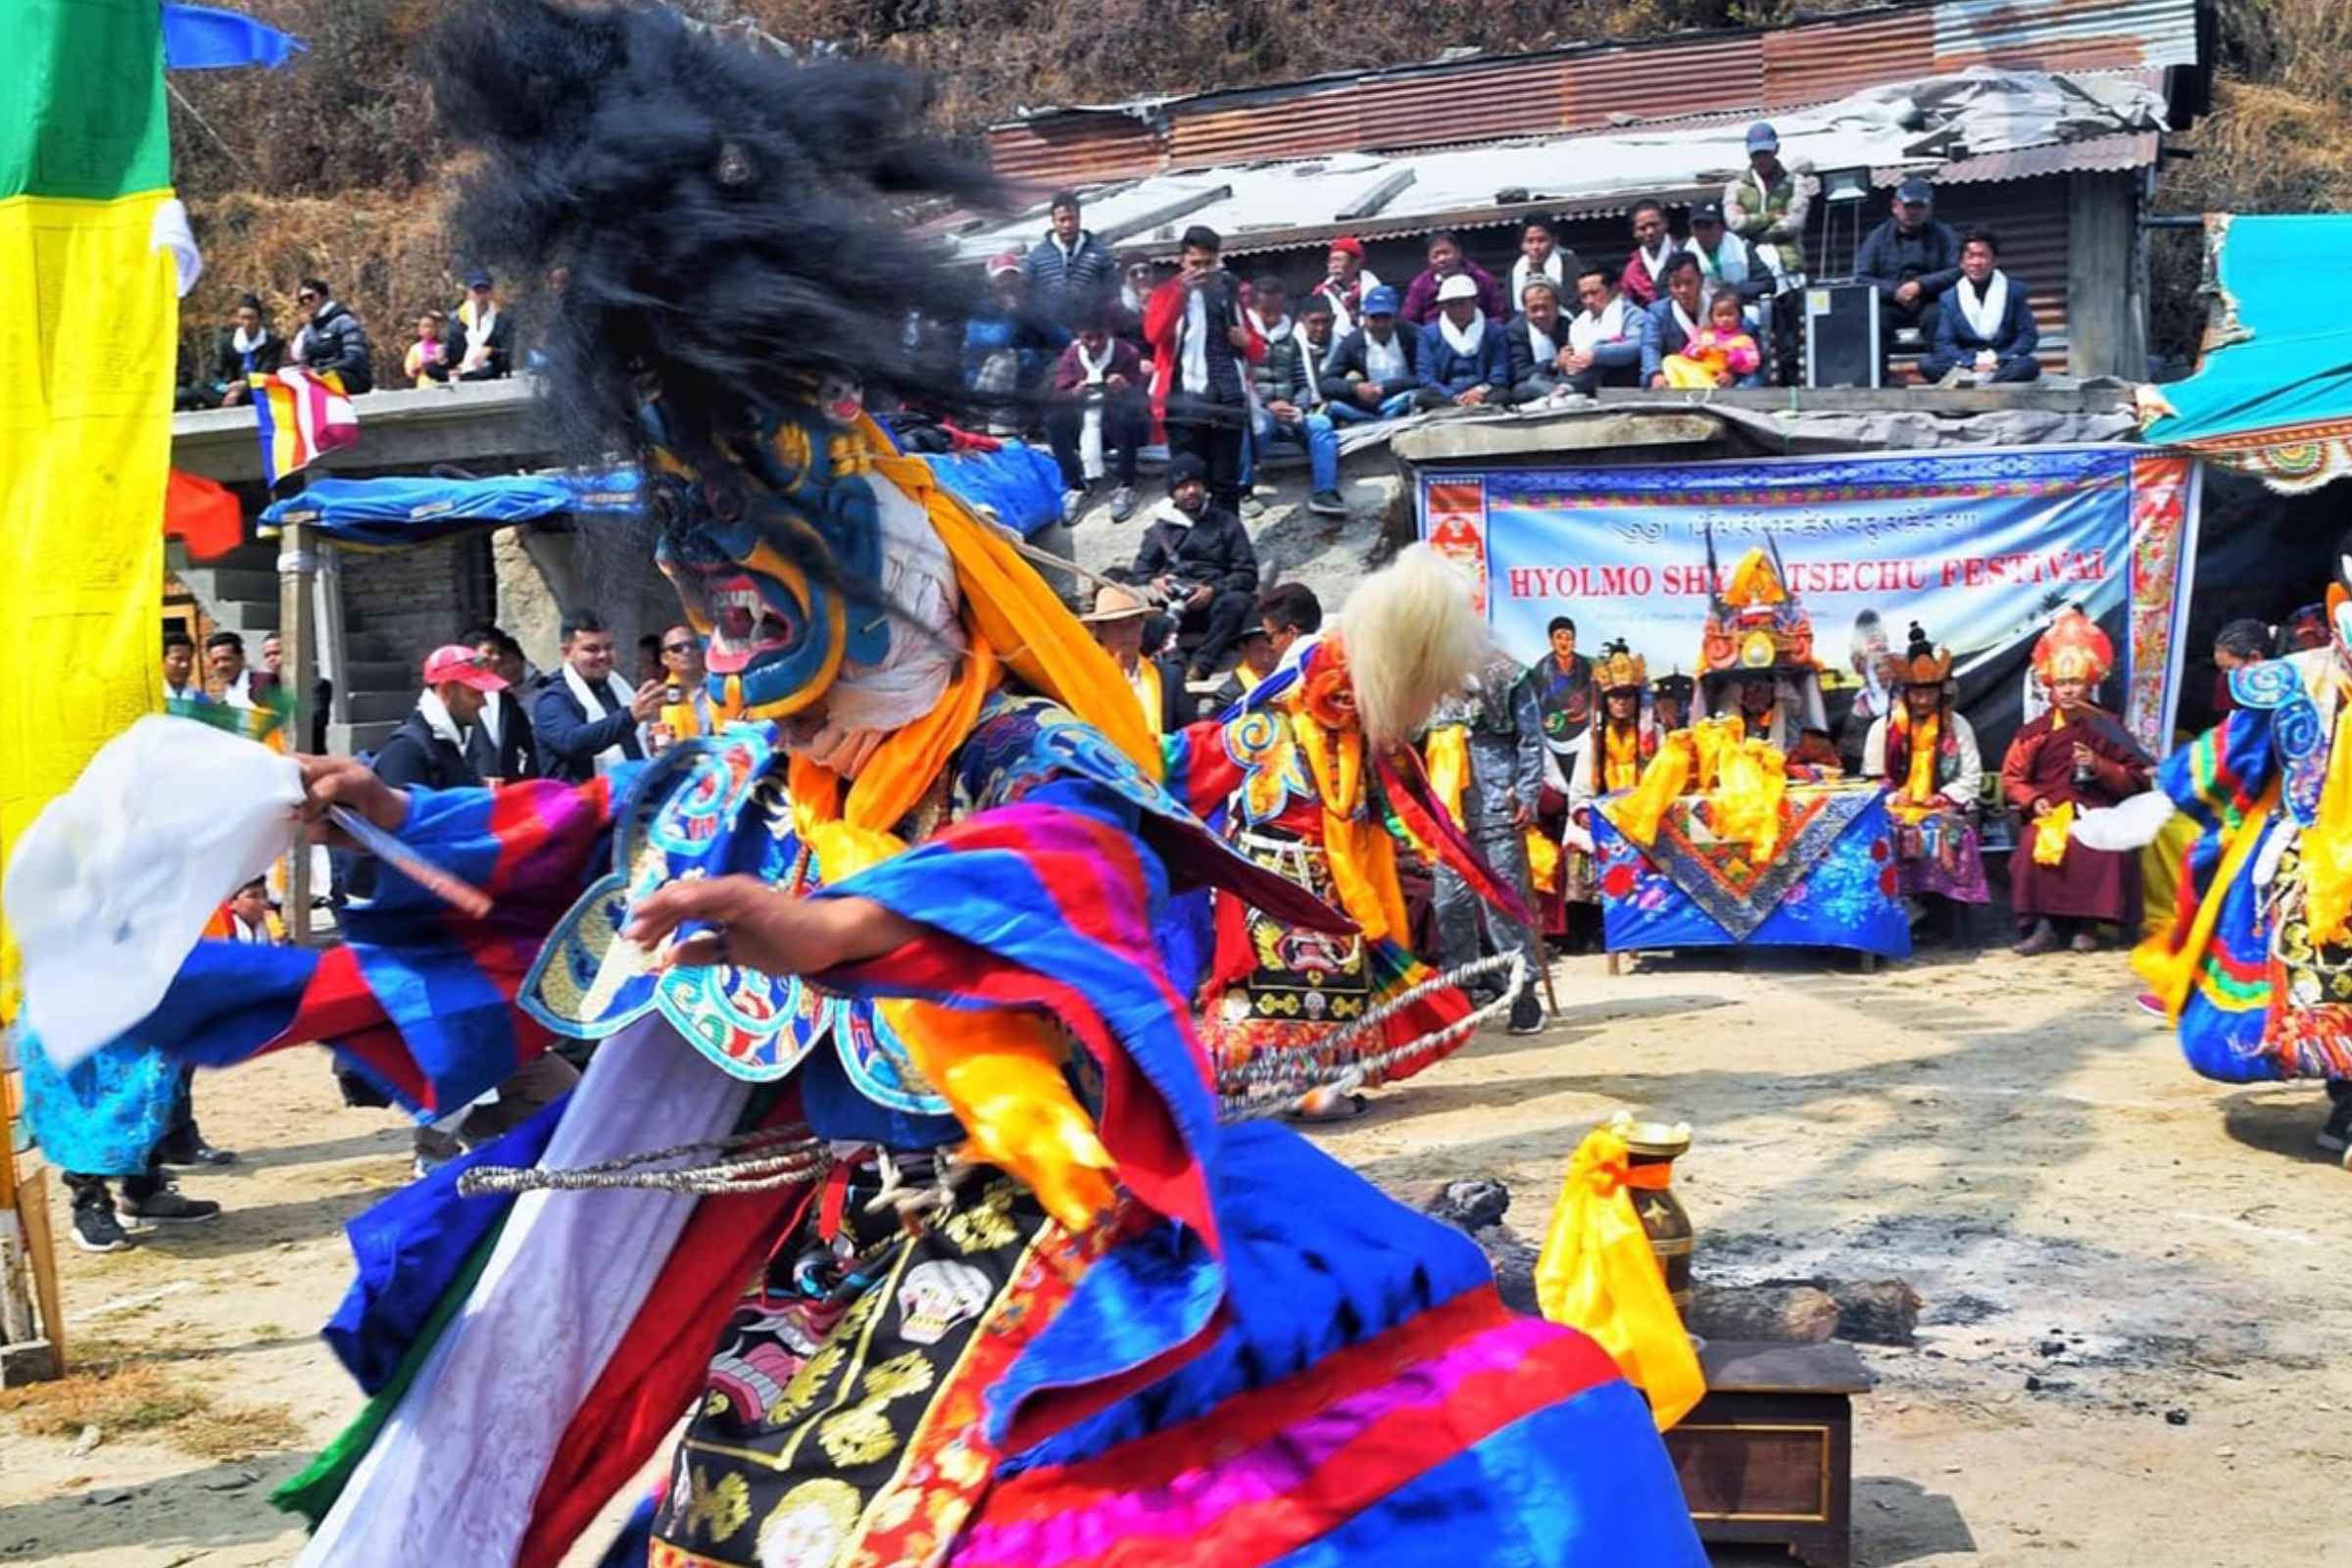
(1723,352)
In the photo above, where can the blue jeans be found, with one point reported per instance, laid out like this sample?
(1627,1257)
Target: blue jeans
(1313,432)
(1347,410)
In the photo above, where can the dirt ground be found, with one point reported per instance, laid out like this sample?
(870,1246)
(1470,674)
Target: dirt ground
(2131,1276)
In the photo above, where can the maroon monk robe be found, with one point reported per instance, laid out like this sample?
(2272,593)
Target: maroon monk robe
(2089,884)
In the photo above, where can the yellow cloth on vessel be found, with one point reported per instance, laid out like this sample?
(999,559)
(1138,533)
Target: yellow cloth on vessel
(1713,737)
(1747,802)
(1638,814)
(1543,862)
(1597,1273)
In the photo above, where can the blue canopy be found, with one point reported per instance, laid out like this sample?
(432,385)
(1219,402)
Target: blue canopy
(388,513)
(1019,485)
(203,38)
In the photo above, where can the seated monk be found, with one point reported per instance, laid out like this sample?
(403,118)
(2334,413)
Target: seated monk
(2071,758)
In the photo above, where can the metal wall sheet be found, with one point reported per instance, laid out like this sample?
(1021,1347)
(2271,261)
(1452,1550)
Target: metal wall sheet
(1074,150)
(2065,34)
(1818,62)
(1485,103)
(1669,80)
(1294,125)
(2098,154)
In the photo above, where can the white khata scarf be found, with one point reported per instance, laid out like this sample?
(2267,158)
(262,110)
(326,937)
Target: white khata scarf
(1984,315)
(1587,331)
(1385,361)
(246,345)
(1463,340)
(1522,270)
(1090,431)
(1540,345)
(438,719)
(1682,318)
(614,700)
(477,332)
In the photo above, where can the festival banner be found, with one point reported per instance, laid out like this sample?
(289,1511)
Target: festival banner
(1979,547)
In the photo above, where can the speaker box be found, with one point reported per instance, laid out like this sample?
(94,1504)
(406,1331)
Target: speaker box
(1842,335)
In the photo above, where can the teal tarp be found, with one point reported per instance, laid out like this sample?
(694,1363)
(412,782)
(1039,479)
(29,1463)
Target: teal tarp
(2279,377)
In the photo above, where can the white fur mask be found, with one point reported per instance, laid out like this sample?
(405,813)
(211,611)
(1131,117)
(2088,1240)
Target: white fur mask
(926,634)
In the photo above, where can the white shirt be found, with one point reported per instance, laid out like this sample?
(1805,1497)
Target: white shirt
(1588,331)
(1385,361)
(238,693)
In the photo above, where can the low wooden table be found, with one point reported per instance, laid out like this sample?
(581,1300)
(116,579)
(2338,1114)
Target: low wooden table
(1768,1456)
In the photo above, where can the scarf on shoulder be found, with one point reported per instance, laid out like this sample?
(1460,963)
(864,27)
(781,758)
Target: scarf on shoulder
(1464,340)
(614,700)
(1985,314)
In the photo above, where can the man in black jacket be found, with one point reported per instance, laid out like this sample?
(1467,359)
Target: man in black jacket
(1911,258)
(434,745)
(504,747)
(1070,273)
(1373,372)
(1538,341)
(332,339)
(1199,561)
(583,711)
(245,349)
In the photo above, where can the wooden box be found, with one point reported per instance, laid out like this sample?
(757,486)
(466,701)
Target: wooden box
(1768,1456)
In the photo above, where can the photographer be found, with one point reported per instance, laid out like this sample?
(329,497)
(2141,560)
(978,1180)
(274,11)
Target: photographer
(1197,561)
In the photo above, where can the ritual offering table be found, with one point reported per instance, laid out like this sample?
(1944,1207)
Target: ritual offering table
(1768,1456)
(1827,879)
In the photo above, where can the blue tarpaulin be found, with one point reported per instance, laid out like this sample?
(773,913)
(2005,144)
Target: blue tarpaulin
(409,512)
(1018,483)
(203,38)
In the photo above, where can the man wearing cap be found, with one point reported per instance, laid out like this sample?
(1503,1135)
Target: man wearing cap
(1283,413)
(1464,361)
(1117,624)
(1069,271)
(1911,258)
(488,350)
(1766,206)
(1345,283)
(433,745)
(1446,264)
(1724,258)
(1197,560)
(1374,370)
(1009,348)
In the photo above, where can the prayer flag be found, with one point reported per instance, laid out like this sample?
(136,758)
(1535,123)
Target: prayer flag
(88,330)
(302,415)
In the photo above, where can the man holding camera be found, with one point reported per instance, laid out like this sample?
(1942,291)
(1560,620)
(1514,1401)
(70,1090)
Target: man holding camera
(1197,562)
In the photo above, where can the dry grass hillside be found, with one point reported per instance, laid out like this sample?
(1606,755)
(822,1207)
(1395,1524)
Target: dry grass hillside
(331,164)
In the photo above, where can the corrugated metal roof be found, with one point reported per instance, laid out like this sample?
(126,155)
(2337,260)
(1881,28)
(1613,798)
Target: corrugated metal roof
(1321,119)
(2097,153)
(1486,102)
(1649,82)
(2065,34)
(1812,64)
(1081,150)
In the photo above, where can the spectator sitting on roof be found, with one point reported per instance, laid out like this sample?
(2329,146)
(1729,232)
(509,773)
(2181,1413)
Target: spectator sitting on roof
(1985,329)
(1374,372)
(1540,256)
(1722,255)
(1671,325)
(1069,271)
(1604,340)
(1722,353)
(427,362)
(1464,361)
(1316,339)
(1284,389)
(1345,283)
(331,340)
(1537,343)
(483,348)
(1099,400)
(1654,245)
(246,348)
(1911,258)
(1446,262)
(1008,348)
(1766,206)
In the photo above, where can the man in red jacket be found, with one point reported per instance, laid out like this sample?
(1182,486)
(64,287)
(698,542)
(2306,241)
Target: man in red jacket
(1202,344)
(1098,388)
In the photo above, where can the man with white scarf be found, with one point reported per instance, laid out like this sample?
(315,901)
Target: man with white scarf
(1985,329)
(1604,340)
(586,719)
(1540,256)
(1538,341)
(1463,362)
(489,334)
(1673,321)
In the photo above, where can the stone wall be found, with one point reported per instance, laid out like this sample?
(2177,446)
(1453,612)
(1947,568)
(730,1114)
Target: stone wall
(403,604)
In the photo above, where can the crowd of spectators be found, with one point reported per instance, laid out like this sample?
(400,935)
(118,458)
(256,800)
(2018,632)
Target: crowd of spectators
(472,340)
(1234,371)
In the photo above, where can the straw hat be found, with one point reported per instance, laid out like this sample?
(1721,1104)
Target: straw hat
(1113,603)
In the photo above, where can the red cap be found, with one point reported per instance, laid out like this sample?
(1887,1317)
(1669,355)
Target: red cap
(1004,262)
(1350,244)
(465,666)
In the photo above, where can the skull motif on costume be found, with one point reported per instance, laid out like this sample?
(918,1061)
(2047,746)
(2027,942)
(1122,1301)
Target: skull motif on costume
(937,1296)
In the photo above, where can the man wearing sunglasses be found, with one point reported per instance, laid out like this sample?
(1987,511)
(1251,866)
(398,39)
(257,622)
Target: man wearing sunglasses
(685,700)
(331,339)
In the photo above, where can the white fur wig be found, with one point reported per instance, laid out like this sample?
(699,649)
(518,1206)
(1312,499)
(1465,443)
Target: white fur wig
(1412,640)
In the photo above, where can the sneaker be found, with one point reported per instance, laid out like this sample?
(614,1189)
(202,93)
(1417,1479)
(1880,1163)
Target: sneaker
(1527,1015)
(190,1149)
(166,1206)
(95,1228)
(2152,1004)
(1956,378)
(2337,1136)
(1072,503)
(1327,503)
(1252,507)
(1122,503)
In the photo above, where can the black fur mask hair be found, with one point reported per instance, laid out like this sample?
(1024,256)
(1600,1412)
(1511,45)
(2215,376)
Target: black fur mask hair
(729,224)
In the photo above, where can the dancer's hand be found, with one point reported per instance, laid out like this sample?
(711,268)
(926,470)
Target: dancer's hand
(349,783)
(757,927)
